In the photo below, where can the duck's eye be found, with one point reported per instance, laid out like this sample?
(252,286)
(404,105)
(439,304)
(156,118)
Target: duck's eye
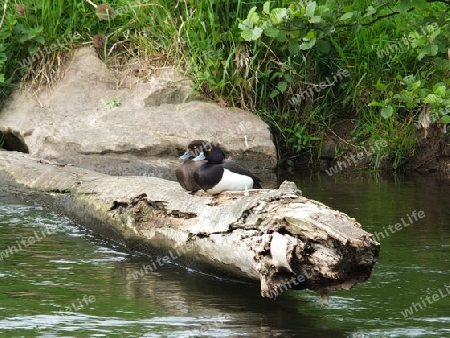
(209,150)
(195,147)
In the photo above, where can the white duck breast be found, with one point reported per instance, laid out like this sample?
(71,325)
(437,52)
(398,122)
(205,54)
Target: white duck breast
(231,181)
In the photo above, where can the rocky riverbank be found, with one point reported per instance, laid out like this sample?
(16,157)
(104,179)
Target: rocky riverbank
(120,124)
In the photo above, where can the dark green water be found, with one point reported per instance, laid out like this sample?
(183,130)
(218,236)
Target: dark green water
(65,282)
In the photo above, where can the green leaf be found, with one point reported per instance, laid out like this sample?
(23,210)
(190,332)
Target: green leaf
(442,64)
(22,39)
(416,84)
(439,89)
(431,50)
(20,29)
(277,15)
(370,11)
(274,93)
(247,34)
(113,103)
(266,7)
(422,92)
(271,32)
(251,21)
(346,16)
(434,35)
(433,99)
(404,6)
(282,36)
(445,119)
(34,31)
(288,78)
(2,78)
(243,25)
(252,34)
(276,75)
(315,19)
(310,9)
(406,98)
(33,49)
(387,111)
(311,35)
(376,104)
(380,86)
(40,39)
(308,44)
(417,39)
(282,86)
(252,17)
(420,56)
(294,47)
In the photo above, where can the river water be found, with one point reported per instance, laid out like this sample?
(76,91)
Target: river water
(59,280)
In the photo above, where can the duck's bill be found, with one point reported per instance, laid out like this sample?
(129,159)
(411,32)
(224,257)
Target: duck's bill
(185,156)
(200,157)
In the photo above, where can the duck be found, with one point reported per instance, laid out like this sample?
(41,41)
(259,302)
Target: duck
(218,175)
(185,171)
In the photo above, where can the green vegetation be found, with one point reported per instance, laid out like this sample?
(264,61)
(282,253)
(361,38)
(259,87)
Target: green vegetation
(303,66)
(398,69)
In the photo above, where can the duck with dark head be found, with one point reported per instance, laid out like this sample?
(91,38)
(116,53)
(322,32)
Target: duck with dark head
(218,174)
(185,171)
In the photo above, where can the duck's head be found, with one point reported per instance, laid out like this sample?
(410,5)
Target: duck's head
(194,149)
(213,154)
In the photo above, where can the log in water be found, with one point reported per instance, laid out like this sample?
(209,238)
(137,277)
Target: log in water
(274,236)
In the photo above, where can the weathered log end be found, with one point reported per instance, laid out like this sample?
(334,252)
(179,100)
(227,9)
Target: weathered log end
(308,245)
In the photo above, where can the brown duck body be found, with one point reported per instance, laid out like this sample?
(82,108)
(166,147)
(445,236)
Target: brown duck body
(185,171)
(185,174)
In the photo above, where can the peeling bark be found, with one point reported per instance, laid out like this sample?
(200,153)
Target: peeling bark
(277,237)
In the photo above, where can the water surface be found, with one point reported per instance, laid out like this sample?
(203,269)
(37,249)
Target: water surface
(69,283)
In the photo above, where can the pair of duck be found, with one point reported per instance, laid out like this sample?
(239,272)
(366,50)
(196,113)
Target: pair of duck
(205,167)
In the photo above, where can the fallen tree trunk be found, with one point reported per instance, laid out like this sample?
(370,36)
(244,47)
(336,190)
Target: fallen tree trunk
(277,237)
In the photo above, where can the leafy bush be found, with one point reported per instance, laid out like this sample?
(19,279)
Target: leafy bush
(321,39)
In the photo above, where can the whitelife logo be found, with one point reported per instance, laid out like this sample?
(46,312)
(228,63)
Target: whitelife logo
(25,243)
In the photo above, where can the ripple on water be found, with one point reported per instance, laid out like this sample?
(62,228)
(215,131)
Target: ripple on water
(67,322)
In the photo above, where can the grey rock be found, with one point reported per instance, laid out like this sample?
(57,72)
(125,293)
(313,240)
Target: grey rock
(122,125)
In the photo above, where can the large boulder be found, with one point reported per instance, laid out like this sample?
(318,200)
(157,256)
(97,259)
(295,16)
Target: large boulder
(122,125)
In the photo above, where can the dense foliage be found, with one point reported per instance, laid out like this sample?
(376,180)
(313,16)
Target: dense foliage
(302,65)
